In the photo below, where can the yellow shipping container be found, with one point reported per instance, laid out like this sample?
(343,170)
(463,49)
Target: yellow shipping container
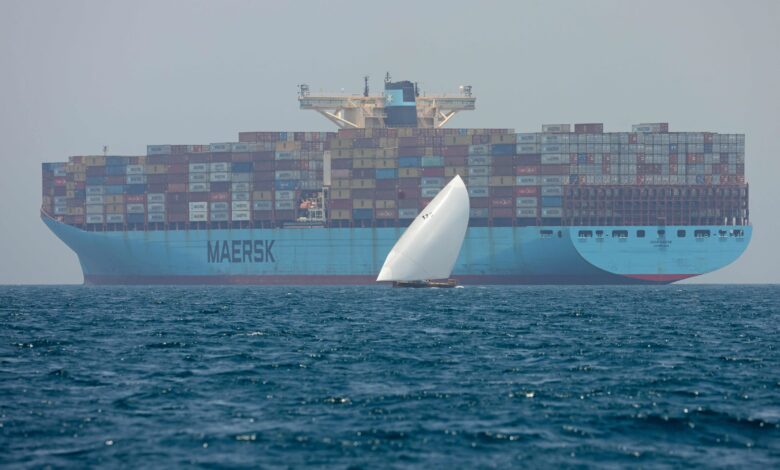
(287,146)
(388,153)
(406,132)
(362,184)
(455,170)
(341,214)
(341,144)
(463,140)
(408,172)
(142,160)
(385,204)
(386,163)
(155,169)
(115,209)
(79,177)
(363,163)
(75,168)
(70,186)
(70,194)
(114,199)
(95,160)
(503,138)
(262,195)
(340,194)
(75,211)
(341,153)
(362,203)
(502,180)
(342,184)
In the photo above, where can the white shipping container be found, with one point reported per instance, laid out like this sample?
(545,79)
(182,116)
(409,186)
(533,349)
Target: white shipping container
(155,207)
(62,200)
(202,216)
(552,191)
(156,217)
(528,138)
(155,197)
(95,219)
(284,195)
(217,167)
(94,199)
(134,169)
(240,196)
(241,177)
(219,206)
(136,179)
(552,212)
(556,127)
(60,210)
(199,167)
(284,205)
(239,216)
(219,216)
(526,212)
(479,171)
(481,149)
(91,190)
(262,205)
(239,187)
(219,177)
(198,177)
(478,160)
(524,149)
(407,213)
(158,149)
(554,180)
(429,192)
(115,218)
(554,159)
(135,209)
(287,175)
(199,206)
(221,147)
(432,182)
(199,187)
(475,191)
(527,180)
(240,205)
(94,208)
(478,180)
(527,202)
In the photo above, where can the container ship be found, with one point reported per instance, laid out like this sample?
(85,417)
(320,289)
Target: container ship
(567,205)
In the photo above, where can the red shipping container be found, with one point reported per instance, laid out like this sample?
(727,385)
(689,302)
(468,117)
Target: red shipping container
(527,190)
(173,198)
(408,193)
(266,165)
(479,202)
(219,196)
(157,159)
(455,161)
(527,170)
(412,203)
(177,168)
(430,171)
(177,187)
(672,158)
(424,202)
(386,184)
(632,138)
(480,139)
(336,204)
(502,212)
(176,218)
(198,157)
(262,215)
(198,197)
(135,198)
(502,191)
(502,202)
(218,157)
(455,151)
(242,157)
(408,182)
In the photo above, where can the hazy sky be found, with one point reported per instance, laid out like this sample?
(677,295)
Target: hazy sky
(77,75)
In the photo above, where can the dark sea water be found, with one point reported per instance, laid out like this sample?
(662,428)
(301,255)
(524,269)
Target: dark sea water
(368,377)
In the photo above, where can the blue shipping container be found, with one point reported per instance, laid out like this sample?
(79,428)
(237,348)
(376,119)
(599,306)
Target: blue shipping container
(135,189)
(135,218)
(362,214)
(242,167)
(116,160)
(95,180)
(551,201)
(386,173)
(503,149)
(282,185)
(116,170)
(408,162)
(432,161)
(115,189)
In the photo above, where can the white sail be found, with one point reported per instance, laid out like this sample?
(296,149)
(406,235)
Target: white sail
(430,246)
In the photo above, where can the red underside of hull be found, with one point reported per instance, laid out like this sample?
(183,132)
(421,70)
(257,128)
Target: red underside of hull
(280,280)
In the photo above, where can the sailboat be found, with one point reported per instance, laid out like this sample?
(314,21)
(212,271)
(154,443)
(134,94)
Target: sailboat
(426,252)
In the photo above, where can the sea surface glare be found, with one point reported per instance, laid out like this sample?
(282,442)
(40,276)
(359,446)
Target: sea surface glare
(374,377)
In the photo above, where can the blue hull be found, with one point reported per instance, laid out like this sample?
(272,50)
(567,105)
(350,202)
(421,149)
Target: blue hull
(498,255)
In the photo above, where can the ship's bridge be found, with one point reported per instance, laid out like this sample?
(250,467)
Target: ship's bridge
(371,111)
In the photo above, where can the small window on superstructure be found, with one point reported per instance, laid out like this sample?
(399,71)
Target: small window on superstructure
(585,234)
(681,233)
(661,233)
(640,234)
(620,233)
(546,233)
(599,233)
(738,232)
(702,233)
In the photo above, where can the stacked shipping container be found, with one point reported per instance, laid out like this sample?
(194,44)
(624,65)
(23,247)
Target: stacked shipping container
(383,177)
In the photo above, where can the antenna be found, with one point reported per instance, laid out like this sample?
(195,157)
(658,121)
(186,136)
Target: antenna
(365,86)
(387,77)
(416,90)
(105,150)
(303,90)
